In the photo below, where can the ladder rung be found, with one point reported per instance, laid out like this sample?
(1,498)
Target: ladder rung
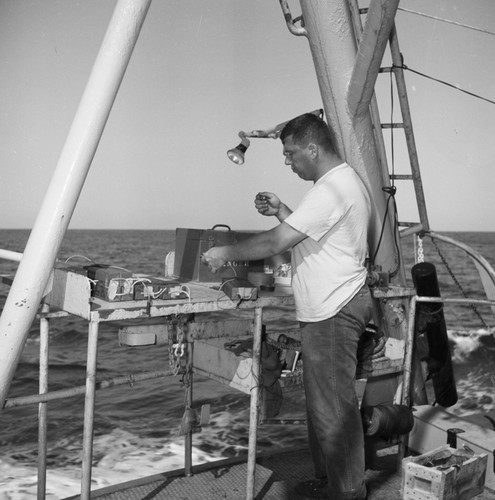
(402,177)
(408,231)
(392,125)
(408,224)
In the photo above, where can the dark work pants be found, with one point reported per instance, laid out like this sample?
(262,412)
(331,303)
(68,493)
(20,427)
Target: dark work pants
(335,428)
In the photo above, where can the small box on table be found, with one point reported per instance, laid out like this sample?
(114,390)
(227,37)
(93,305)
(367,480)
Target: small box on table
(110,283)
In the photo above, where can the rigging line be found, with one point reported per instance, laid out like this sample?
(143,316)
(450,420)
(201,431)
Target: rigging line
(447,21)
(445,83)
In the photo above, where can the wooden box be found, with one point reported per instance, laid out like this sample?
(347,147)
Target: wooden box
(460,481)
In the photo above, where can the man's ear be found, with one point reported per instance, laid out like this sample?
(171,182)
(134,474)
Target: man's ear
(313,150)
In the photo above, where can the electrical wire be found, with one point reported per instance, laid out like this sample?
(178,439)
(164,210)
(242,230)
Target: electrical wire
(391,190)
(446,21)
(392,149)
(382,230)
(462,25)
(232,267)
(444,83)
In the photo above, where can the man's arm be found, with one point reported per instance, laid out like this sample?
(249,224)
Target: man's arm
(259,246)
(270,204)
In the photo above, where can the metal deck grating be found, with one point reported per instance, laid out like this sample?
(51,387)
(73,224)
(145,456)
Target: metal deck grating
(276,476)
(227,483)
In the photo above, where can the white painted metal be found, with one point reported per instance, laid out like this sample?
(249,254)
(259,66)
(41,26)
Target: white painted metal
(66,184)
(255,401)
(372,43)
(332,40)
(42,407)
(10,255)
(89,410)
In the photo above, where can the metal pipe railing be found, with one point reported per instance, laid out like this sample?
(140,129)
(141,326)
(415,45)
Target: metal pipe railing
(453,300)
(10,255)
(254,406)
(80,390)
(290,21)
(409,346)
(89,410)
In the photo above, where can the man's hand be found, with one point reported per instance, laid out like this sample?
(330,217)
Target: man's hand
(214,258)
(267,203)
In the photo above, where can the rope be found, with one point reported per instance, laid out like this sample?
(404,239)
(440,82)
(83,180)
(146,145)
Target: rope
(379,349)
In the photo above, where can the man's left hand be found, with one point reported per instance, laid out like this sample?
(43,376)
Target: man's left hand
(214,258)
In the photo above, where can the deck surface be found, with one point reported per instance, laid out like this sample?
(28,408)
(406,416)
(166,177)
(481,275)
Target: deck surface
(276,476)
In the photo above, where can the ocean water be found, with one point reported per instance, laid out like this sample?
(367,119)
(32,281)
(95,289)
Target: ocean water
(137,427)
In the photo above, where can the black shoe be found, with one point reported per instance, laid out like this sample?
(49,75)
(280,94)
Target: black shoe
(316,488)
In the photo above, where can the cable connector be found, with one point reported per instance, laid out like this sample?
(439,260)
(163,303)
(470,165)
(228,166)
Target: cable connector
(376,277)
(389,190)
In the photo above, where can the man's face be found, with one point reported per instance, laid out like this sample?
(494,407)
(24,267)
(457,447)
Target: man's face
(297,158)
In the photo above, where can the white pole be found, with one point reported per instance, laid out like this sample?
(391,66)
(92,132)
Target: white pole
(66,184)
(43,407)
(89,409)
(255,403)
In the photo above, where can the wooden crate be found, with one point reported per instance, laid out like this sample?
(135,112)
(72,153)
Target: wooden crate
(459,482)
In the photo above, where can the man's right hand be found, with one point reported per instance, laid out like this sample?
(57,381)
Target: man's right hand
(214,258)
(267,203)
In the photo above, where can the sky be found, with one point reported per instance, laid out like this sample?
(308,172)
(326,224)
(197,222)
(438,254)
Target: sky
(201,72)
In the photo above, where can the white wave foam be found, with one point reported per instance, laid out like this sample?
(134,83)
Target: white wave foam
(19,482)
(467,342)
(464,347)
(123,456)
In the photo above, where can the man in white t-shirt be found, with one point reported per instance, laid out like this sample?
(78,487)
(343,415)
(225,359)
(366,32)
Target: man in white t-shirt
(327,235)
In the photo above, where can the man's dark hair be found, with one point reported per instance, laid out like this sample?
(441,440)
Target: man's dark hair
(308,128)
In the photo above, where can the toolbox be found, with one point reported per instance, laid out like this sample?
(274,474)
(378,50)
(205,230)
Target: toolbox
(190,244)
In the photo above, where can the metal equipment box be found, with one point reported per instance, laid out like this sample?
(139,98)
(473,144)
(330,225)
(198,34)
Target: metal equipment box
(460,478)
(190,244)
(112,284)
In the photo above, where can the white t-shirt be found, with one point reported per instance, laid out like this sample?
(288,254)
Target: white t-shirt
(328,267)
